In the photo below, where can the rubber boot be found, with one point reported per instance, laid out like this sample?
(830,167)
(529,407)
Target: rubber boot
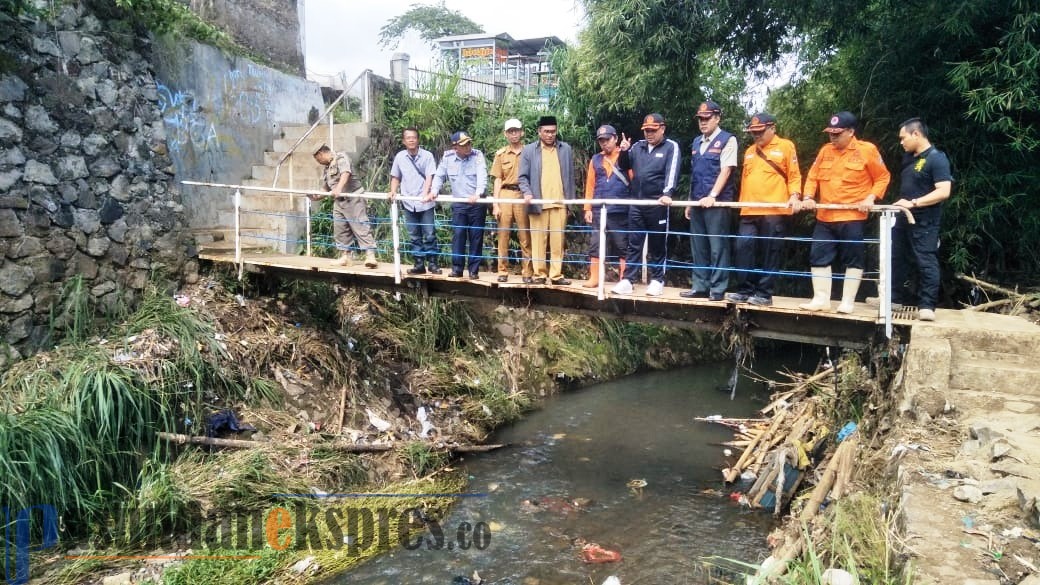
(821,286)
(853,276)
(593,281)
(370,259)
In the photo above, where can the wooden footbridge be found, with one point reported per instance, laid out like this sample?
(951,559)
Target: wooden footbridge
(256,250)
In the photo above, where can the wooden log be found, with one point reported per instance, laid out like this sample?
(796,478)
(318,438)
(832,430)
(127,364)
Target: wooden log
(989,286)
(991,305)
(344,447)
(826,482)
(733,472)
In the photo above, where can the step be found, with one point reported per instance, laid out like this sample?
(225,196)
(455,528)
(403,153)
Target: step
(301,161)
(352,128)
(302,177)
(987,375)
(349,143)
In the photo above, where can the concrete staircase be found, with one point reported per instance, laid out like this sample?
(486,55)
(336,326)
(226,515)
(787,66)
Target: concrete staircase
(277,221)
(971,385)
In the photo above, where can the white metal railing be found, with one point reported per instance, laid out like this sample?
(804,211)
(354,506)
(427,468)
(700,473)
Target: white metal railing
(887,213)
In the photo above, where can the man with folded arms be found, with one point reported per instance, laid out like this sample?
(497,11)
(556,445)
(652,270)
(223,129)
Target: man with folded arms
(547,177)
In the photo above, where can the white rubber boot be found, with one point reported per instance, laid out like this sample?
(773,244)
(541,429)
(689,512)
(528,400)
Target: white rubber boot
(821,286)
(853,276)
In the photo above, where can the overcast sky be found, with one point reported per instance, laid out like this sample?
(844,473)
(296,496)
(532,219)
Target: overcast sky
(342,35)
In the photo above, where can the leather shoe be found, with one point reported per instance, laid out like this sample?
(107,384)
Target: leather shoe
(456,274)
(561,282)
(435,270)
(503,278)
(417,270)
(539,280)
(693,294)
(716,297)
(528,280)
(473,276)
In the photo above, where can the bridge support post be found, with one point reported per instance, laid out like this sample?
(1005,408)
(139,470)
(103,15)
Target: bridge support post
(888,221)
(395,230)
(602,268)
(238,232)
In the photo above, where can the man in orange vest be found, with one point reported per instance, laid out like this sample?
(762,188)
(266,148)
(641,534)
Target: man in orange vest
(849,171)
(771,176)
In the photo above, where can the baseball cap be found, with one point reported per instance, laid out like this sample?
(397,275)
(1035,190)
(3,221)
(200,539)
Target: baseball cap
(760,121)
(513,123)
(652,122)
(840,122)
(322,148)
(708,109)
(606,130)
(461,138)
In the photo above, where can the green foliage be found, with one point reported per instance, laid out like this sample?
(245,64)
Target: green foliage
(228,571)
(430,21)
(423,460)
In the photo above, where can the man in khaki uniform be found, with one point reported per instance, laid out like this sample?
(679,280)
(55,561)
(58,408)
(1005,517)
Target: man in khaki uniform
(547,177)
(505,169)
(349,217)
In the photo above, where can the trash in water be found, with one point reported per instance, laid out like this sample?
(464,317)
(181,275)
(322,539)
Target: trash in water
(594,554)
(636,485)
(846,430)
(612,580)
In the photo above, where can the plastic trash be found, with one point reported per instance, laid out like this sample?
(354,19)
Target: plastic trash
(594,554)
(612,580)
(837,577)
(424,420)
(380,424)
(846,430)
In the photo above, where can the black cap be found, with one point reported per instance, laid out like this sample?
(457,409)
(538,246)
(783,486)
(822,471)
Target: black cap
(605,131)
(840,122)
(547,121)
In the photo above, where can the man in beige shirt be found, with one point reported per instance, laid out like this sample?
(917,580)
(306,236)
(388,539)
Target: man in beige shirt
(505,170)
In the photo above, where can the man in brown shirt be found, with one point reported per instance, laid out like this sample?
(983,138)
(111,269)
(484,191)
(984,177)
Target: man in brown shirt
(505,169)
(349,217)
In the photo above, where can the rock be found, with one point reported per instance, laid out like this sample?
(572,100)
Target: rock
(87,221)
(968,493)
(63,217)
(24,247)
(11,111)
(9,178)
(93,144)
(97,246)
(984,433)
(120,579)
(37,118)
(15,279)
(307,565)
(110,211)
(61,246)
(69,42)
(506,330)
(1002,485)
(999,449)
(38,172)
(88,50)
(70,139)
(1033,579)
(10,226)
(19,329)
(1029,501)
(43,145)
(9,131)
(12,305)
(105,167)
(72,167)
(981,582)
(107,92)
(103,289)
(46,46)
(12,89)
(11,157)
(120,188)
(117,231)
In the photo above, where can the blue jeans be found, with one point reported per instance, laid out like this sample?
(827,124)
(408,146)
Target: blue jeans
(421,232)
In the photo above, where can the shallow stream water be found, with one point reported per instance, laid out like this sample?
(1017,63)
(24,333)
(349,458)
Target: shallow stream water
(590,444)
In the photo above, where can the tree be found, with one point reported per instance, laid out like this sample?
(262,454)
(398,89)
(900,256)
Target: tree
(430,21)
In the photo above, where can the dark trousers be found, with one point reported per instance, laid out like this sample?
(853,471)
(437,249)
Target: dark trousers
(467,220)
(423,236)
(916,245)
(617,236)
(709,248)
(646,224)
(749,246)
(834,239)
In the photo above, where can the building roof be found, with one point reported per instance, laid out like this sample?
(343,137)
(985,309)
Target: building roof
(473,37)
(524,47)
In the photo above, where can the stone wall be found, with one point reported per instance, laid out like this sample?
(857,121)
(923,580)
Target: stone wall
(269,28)
(86,177)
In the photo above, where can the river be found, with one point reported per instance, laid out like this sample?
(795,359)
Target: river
(589,445)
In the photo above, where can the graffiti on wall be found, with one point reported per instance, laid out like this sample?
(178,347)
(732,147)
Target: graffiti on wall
(207,125)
